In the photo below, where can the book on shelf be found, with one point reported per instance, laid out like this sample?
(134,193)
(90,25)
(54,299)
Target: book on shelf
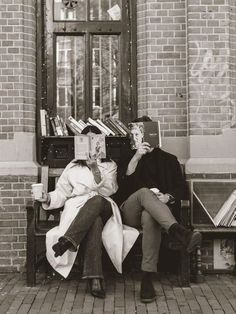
(75,123)
(89,145)
(111,127)
(72,128)
(148,131)
(106,127)
(63,126)
(120,130)
(48,126)
(58,125)
(122,125)
(54,129)
(226,216)
(43,122)
(99,126)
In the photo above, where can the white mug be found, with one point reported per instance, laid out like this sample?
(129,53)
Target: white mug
(37,190)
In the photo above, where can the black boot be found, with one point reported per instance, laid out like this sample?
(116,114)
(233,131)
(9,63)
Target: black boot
(96,288)
(147,291)
(189,239)
(62,246)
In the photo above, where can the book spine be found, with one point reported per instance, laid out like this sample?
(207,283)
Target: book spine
(53,126)
(43,122)
(58,126)
(72,128)
(75,123)
(94,123)
(110,126)
(123,126)
(48,129)
(64,129)
(105,127)
(117,127)
(81,122)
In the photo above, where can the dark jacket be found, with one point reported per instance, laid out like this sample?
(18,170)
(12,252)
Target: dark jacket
(157,169)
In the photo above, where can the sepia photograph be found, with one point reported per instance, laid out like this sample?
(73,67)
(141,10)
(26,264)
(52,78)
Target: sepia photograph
(117,156)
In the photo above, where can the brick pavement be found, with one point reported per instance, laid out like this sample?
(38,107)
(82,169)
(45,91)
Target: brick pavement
(54,295)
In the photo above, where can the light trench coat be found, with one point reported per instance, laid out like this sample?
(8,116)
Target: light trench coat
(74,188)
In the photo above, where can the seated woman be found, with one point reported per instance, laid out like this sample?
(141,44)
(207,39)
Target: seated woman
(83,189)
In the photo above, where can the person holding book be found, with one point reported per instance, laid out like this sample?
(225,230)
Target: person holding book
(151,186)
(84,189)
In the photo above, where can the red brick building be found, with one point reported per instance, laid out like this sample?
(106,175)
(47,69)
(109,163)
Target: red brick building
(181,70)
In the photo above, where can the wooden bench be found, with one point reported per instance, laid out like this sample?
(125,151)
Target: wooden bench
(40,221)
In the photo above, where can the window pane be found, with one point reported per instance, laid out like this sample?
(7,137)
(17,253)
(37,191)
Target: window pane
(105,9)
(70,76)
(69,10)
(105,65)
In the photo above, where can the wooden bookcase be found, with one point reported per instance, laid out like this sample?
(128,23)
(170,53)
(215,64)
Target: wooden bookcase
(212,193)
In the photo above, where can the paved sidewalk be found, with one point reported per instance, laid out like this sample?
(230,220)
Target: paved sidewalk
(56,296)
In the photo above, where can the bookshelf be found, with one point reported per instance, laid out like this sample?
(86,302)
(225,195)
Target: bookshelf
(56,140)
(58,151)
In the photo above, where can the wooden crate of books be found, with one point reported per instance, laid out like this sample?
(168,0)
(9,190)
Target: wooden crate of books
(213,210)
(212,200)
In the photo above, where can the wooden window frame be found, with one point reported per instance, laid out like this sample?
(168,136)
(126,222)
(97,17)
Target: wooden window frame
(47,30)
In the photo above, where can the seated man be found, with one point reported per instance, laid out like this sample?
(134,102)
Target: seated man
(151,186)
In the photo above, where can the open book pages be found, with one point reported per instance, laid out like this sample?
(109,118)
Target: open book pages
(90,145)
(148,131)
(226,214)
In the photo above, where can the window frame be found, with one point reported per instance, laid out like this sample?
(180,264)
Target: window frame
(47,30)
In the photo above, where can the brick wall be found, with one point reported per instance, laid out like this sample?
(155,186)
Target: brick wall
(232,41)
(209,77)
(17,116)
(161,60)
(17,67)
(14,194)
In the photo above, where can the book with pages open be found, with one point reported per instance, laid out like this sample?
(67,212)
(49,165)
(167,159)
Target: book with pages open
(89,145)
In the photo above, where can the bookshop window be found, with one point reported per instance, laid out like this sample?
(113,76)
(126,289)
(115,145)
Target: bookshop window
(87,58)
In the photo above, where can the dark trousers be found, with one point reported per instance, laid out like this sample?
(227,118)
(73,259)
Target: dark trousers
(143,209)
(86,230)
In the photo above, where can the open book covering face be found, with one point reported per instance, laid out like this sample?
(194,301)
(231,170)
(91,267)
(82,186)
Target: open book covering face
(91,144)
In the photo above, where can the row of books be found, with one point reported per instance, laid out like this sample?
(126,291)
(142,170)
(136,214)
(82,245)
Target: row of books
(58,127)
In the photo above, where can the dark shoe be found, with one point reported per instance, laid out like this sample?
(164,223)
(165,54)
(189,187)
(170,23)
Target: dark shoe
(147,291)
(61,246)
(194,241)
(96,288)
(189,239)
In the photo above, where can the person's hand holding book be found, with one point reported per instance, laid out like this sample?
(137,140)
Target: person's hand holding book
(142,149)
